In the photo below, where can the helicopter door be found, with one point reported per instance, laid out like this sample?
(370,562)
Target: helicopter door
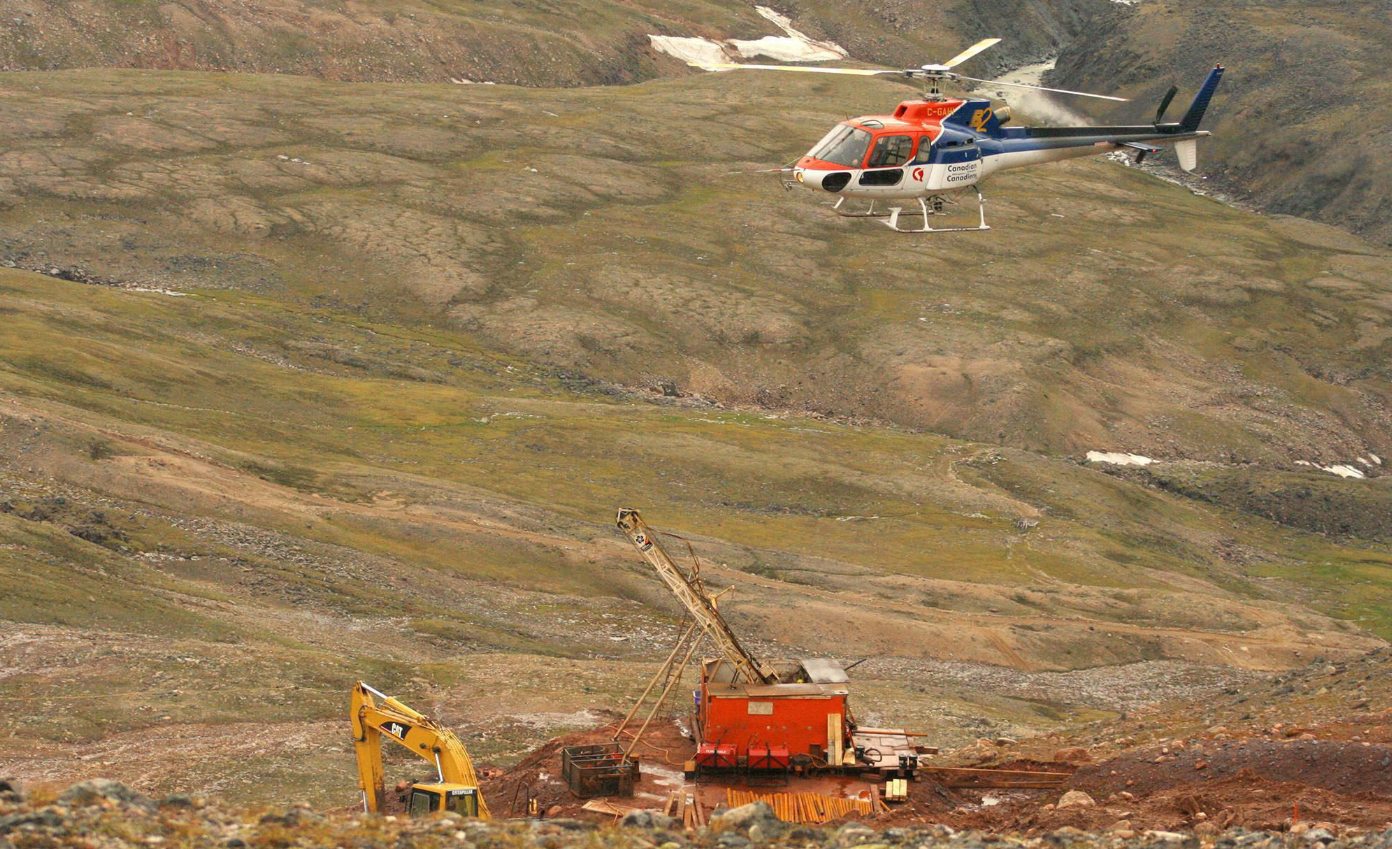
(885,165)
(918,169)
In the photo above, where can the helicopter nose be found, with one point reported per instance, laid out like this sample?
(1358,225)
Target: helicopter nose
(816,178)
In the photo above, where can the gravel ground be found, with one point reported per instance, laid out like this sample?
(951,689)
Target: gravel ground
(106,815)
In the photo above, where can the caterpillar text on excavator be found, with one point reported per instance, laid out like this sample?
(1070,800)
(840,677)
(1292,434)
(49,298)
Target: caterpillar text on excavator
(456,788)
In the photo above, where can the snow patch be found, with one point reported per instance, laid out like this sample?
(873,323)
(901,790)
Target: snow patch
(693,51)
(1117,458)
(783,49)
(792,46)
(1343,470)
(170,292)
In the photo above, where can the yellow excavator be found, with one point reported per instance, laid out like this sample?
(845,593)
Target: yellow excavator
(457,789)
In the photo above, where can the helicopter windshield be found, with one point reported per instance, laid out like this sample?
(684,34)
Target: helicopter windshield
(844,146)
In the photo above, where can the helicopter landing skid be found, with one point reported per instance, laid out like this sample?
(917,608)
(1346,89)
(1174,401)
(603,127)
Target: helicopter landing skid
(868,213)
(892,222)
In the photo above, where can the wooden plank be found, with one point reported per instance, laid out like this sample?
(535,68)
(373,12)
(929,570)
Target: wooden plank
(834,739)
(600,806)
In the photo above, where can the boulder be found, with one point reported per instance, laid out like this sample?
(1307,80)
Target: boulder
(177,800)
(854,834)
(763,832)
(1076,799)
(1167,836)
(806,834)
(48,817)
(744,817)
(97,790)
(1073,755)
(648,819)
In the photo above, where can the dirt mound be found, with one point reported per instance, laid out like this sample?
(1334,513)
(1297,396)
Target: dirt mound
(1354,769)
(1317,749)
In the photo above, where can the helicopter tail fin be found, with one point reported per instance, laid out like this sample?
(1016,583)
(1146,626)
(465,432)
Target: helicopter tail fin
(1190,121)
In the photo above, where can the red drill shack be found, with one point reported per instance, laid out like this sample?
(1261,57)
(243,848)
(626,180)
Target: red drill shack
(765,726)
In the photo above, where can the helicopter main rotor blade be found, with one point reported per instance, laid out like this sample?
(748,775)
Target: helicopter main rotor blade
(970,52)
(1165,103)
(1042,88)
(806,69)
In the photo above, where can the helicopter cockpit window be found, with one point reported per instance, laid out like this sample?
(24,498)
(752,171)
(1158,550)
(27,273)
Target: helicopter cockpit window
(925,150)
(844,146)
(890,152)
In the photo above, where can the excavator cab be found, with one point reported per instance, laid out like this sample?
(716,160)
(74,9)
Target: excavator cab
(429,799)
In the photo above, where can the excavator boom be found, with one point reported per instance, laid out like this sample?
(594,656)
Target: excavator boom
(372,720)
(693,598)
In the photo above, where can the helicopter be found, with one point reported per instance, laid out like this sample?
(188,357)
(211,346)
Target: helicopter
(936,147)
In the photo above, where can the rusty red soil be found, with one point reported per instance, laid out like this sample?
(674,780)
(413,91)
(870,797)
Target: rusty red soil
(1263,781)
(662,752)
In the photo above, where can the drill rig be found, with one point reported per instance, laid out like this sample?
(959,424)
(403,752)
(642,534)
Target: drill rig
(456,790)
(749,714)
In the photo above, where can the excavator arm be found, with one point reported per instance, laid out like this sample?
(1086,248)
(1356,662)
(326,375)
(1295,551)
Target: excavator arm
(373,719)
(693,598)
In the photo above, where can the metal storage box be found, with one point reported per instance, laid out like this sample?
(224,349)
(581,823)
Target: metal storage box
(598,770)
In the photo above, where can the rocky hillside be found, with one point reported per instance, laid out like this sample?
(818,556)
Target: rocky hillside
(1109,311)
(1297,123)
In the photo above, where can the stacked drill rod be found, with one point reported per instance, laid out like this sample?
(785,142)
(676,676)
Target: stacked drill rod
(805,807)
